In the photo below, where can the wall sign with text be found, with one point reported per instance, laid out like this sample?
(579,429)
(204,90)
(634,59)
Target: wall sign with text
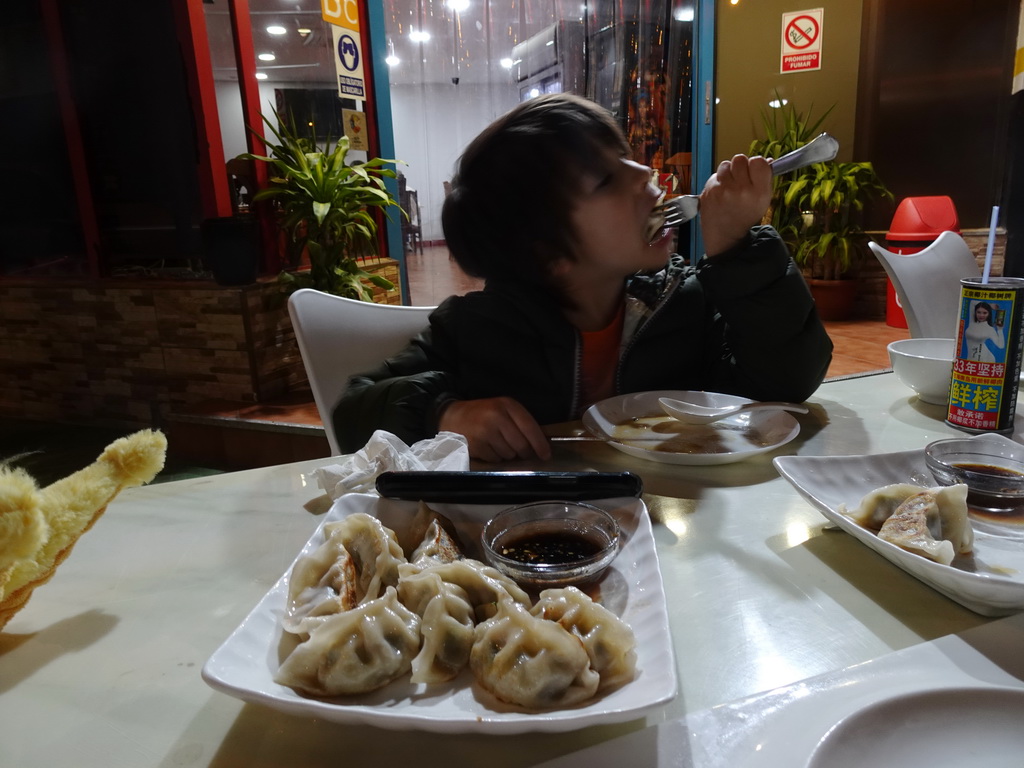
(348,61)
(801,40)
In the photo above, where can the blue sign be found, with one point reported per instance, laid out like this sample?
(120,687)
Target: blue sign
(348,53)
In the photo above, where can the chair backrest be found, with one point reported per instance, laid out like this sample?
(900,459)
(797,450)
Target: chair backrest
(341,337)
(928,283)
(414,209)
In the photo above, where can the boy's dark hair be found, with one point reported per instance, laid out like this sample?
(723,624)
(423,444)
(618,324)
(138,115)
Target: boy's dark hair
(508,213)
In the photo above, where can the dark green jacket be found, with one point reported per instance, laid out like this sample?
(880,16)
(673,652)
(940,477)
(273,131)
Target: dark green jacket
(742,324)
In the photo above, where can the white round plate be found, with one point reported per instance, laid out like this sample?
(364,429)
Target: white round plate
(639,415)
(953,726)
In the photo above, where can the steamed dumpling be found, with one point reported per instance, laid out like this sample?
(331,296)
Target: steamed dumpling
(932,524)
(450,597)
(374,550)
(414,532)
(437,546)
(484,586)
(357,651)
(607,639)
(531,662)
(954,522)
(446,625)
(358,559)
(878,506)
(320,584)
(907,528)
(370,617)
(656,221)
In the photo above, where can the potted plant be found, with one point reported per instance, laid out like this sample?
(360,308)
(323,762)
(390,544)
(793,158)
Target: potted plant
(816,209)
(325,209)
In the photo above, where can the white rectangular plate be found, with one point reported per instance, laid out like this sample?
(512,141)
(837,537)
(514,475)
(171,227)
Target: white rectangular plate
(245,664)
(990,581)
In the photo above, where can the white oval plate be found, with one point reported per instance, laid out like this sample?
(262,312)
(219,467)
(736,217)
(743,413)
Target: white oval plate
(245,664)
(722,442)
(953,726)
(989,581)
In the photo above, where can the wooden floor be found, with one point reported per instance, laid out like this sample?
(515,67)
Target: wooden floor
(859,346)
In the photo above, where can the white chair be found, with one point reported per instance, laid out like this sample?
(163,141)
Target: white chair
(928,283)
(341,337)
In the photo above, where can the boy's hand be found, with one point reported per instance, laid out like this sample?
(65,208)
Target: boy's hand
(734,200)
(497,429)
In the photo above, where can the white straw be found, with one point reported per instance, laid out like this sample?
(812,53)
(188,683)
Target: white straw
(991,243)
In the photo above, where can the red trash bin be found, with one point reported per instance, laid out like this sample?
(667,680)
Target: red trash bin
(918,221)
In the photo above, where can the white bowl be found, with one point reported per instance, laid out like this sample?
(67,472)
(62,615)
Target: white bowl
(924,365)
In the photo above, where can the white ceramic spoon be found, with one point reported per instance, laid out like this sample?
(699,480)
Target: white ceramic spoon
(690,413)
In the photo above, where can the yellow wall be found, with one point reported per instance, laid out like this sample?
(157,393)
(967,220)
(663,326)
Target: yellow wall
(748,51)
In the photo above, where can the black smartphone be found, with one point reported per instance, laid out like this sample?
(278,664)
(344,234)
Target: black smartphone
(507,487)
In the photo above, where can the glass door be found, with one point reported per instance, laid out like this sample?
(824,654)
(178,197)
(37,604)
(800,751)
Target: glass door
(453,66)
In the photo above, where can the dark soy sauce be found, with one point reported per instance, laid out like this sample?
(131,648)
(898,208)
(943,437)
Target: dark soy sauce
(989,506)
(554,548)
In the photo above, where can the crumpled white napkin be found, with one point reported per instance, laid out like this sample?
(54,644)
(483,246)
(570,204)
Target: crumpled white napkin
(447,451)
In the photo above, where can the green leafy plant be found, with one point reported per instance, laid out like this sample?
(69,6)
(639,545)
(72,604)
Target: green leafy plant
(325,209)
(816,209)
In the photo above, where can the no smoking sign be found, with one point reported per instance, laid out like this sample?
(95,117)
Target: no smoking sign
(801,41)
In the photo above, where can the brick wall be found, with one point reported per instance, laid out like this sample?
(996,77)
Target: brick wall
(388,269)
(131,352)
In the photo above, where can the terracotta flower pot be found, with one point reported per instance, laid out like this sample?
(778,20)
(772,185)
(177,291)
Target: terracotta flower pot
(835,298)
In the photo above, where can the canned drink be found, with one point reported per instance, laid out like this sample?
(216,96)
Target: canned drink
(987,356)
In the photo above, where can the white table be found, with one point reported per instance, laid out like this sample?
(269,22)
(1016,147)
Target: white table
(102,668)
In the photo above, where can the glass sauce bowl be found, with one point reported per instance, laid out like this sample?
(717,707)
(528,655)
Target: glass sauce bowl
(549,544)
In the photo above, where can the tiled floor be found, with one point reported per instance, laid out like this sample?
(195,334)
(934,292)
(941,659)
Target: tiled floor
(290,430)
(433,277)
(859,346)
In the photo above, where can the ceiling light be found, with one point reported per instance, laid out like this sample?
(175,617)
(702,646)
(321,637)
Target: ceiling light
(276,29)
(261,75)
(304,31)
(391,60)
(458,5)
(507,63)
(266,57)
(419,36)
